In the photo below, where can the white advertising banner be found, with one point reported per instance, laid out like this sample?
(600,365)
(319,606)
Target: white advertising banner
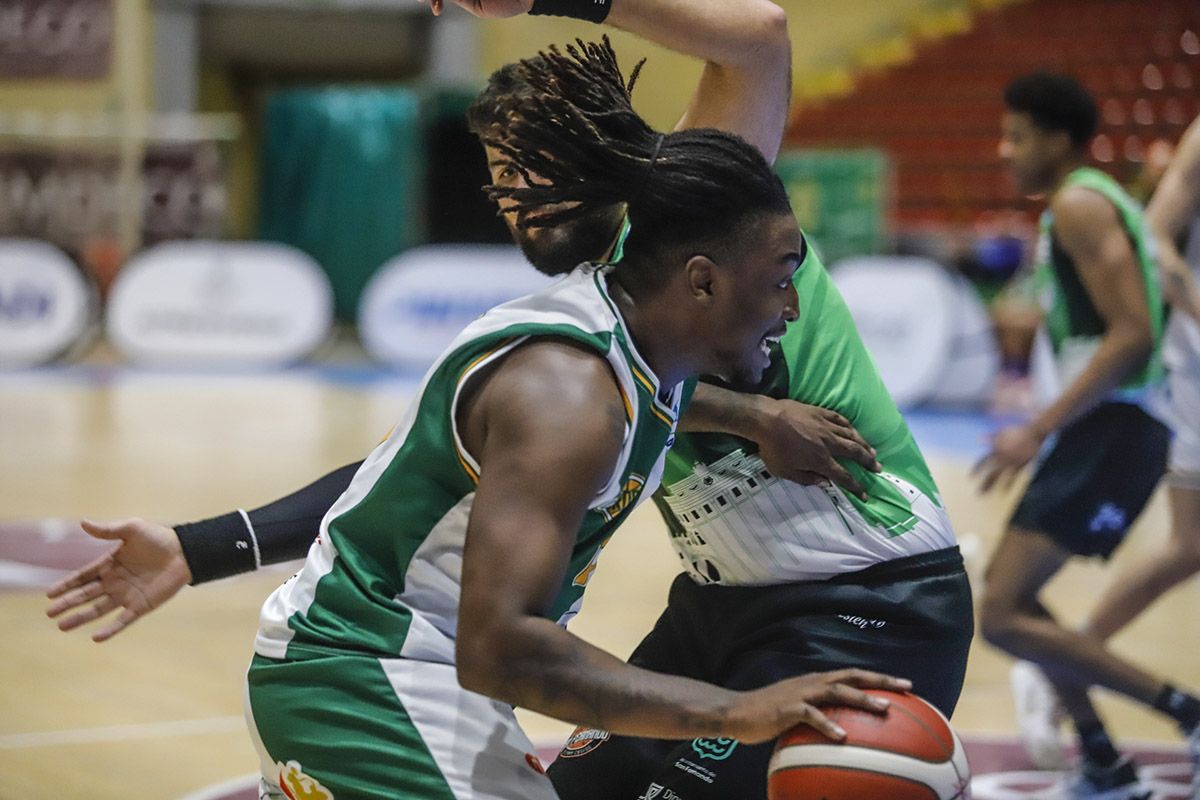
(220,303)
(927,330)
(416,304)
(45,302)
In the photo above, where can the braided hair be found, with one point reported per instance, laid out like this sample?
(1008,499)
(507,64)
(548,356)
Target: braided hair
(575,138)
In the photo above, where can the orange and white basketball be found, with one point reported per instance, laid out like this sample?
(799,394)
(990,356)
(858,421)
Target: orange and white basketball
(909,753)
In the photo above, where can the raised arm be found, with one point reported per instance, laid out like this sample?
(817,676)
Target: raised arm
(747,80)
(746,85)
(538,474)
(1175,203)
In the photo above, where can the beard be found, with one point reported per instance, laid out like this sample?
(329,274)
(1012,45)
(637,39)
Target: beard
(558,250)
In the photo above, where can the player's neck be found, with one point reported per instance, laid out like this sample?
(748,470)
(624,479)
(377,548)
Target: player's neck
(652,327)
(1065,168)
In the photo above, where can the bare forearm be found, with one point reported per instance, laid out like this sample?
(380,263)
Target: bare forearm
(737,34)
(717,410)
(746,84)
(1119,354)
(539,666)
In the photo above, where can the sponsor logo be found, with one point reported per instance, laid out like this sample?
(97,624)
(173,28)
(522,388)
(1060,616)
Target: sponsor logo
(44,302)
(298,786)
(583,741)
(251,303)
(415,304)
(696,770)
(862,622)
(535,763)
(715,749)
(659,792)
(25,303)
(1108,517)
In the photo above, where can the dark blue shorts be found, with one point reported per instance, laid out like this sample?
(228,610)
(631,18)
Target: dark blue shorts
(1095,479)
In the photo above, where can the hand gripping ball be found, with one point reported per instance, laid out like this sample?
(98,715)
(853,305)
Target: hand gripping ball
(908,753)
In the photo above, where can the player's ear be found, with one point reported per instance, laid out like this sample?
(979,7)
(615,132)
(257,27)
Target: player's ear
(700,271)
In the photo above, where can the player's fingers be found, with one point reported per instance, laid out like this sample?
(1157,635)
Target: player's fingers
(805,478)
(75,597)
(126,618)
(868,679)
(839,475)
(843,694)
(104,530)
(1010,477)
(88,614)
(987,473)
(809,715)
(854,449)
(835,418)
(80,577)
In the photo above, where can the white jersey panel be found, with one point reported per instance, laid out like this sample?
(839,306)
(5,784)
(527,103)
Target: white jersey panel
(746,527)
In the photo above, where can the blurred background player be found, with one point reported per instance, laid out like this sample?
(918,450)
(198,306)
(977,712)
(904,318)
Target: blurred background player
(1104,318)
(1173,208)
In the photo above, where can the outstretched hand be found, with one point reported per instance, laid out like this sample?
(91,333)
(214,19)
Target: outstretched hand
(803,443)
(145,570)
(1012,449)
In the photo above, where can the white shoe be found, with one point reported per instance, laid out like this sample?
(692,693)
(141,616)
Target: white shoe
(1039,715)
(1117,782)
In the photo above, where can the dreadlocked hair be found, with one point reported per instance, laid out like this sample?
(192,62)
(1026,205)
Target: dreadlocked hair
(576,140)
(509,87)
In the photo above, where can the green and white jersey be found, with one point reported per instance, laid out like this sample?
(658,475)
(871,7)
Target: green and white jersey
(383,577)
(1073,327)
(732,522)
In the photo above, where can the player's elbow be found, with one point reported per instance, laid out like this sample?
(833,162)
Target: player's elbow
(478,662)
(769,34)
(1137,342)
(493,655)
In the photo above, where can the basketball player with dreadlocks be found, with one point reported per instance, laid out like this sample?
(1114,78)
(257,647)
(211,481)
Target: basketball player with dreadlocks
(436,596)
(844,583)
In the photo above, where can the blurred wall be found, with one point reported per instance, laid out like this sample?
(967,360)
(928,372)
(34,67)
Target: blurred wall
(126,89)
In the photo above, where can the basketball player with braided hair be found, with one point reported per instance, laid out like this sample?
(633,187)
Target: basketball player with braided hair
(819,560)
(437,591)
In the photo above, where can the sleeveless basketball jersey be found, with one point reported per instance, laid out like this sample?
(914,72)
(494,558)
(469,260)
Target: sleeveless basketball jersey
(732,522)
(383,577)
(1073,325)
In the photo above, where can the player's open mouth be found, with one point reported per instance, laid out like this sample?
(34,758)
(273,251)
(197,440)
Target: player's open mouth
(767,341)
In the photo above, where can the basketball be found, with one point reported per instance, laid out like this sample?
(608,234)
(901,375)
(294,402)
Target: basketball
(909,753)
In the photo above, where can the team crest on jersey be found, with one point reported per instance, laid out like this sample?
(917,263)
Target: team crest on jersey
(583,741)
(716,749)
(298,786)
(631,492)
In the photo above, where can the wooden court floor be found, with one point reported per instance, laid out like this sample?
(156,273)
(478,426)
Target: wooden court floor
(156,712)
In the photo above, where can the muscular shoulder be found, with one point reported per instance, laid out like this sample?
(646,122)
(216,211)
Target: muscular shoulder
(549,392)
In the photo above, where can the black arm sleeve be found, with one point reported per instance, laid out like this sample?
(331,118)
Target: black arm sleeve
(283,530)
